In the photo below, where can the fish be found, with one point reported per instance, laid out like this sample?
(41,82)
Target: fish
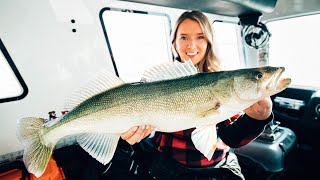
(170,97)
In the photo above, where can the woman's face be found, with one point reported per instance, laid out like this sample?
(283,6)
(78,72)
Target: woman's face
(190,41)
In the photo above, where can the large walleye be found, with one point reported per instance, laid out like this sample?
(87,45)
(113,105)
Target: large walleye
(174,97)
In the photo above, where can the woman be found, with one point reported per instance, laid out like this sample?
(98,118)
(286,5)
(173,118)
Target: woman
(175,155)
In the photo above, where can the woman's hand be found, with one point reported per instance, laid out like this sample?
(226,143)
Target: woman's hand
(260,110)
(136,134)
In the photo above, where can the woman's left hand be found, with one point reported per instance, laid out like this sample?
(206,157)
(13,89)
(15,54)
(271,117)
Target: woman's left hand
(261,110)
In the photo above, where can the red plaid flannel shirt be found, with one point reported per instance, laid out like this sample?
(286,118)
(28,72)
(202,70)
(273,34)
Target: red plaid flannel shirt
(179,146)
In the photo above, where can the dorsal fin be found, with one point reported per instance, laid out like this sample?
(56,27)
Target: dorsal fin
(104,81)
(170,70)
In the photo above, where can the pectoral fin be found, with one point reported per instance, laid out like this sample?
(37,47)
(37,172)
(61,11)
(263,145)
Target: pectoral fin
(99,146)
(205,140)
(210,111)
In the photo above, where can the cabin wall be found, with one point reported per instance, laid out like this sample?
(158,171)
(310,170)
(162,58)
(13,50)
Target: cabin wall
(53,60)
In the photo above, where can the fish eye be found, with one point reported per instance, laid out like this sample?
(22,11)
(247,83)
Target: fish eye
(259,75)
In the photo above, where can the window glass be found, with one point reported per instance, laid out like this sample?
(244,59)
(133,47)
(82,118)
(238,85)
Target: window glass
(137,40)
(227,44)
(12,86)
(294,44)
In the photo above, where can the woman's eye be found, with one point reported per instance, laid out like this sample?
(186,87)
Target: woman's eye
(259,76)
(183,38)
(200,37)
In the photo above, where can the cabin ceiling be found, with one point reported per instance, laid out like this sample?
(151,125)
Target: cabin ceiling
(233,8)
(270,9)
(291,8)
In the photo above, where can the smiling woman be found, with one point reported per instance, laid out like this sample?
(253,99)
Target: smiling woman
(190,42)
(193,38)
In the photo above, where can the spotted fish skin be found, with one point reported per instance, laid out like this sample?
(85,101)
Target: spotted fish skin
(172,102)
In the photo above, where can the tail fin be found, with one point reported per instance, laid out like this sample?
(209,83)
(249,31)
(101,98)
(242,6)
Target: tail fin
(36,155)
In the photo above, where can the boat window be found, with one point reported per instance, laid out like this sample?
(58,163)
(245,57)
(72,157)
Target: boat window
(12,85)
(227,44)
(136,40)
(294,44)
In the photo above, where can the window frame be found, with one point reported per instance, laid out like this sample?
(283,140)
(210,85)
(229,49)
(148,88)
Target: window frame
(169,30)
(16,73)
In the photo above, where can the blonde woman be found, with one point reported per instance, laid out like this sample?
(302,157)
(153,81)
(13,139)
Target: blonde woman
(173,155)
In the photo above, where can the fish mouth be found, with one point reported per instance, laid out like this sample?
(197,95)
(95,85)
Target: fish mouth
(277,83)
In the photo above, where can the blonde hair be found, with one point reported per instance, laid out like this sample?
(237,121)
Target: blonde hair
(210,63)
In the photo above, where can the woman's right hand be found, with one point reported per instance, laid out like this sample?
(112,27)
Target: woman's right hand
(136,134)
